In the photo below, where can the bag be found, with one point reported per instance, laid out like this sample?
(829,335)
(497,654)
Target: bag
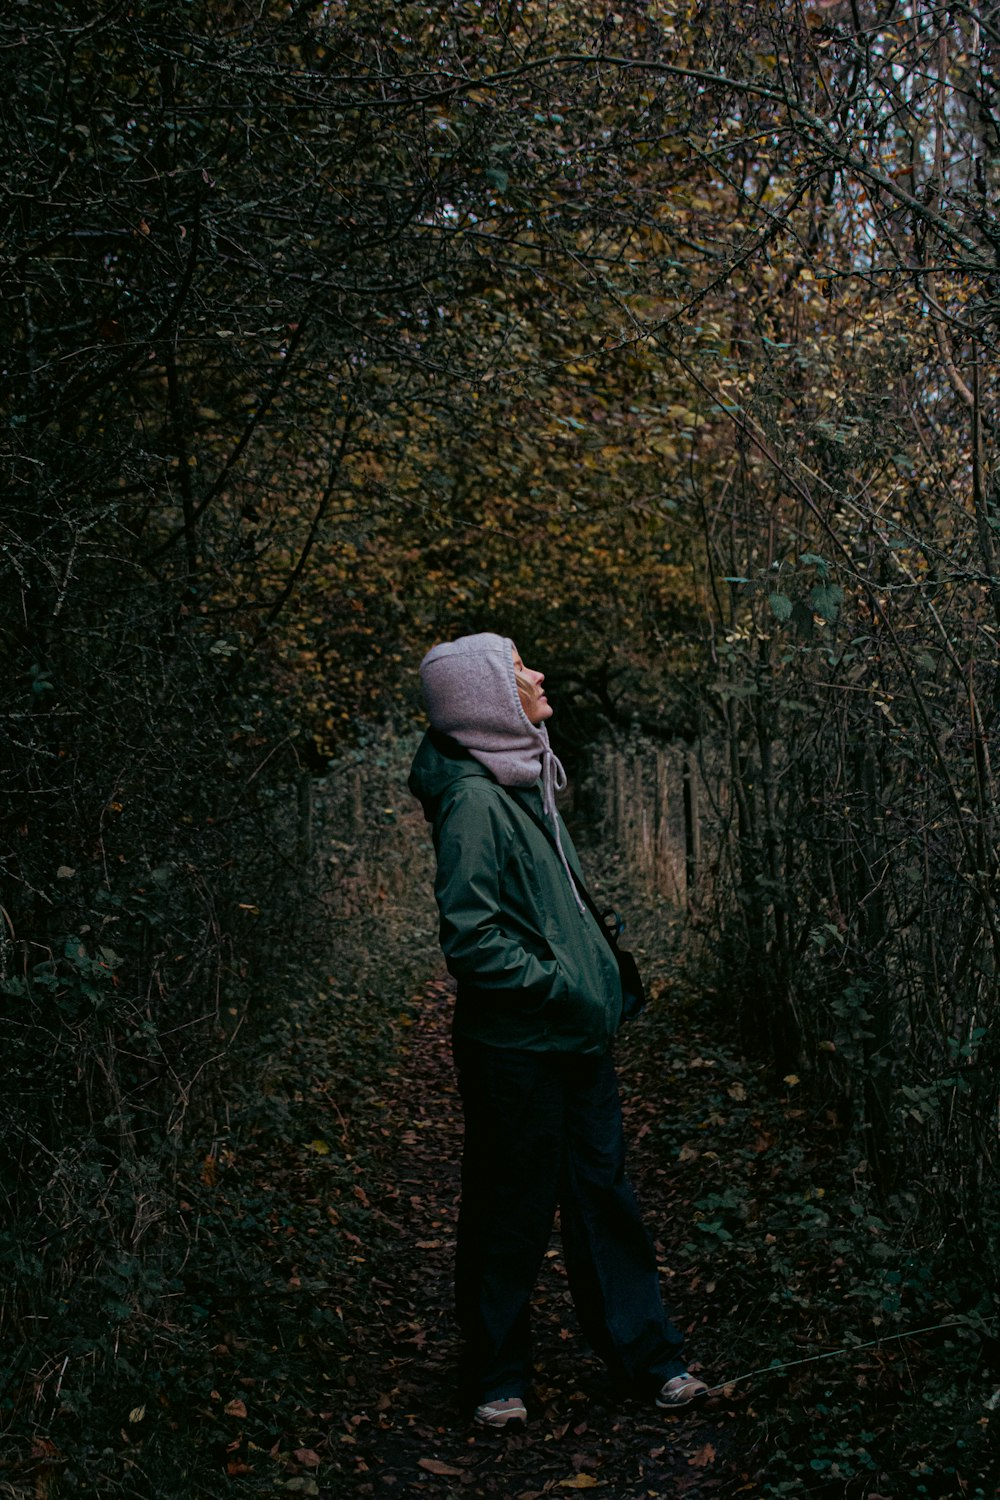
(633,991)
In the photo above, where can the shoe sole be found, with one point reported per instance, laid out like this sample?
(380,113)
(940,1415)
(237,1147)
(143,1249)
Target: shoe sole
(695,1400)
(501,1419)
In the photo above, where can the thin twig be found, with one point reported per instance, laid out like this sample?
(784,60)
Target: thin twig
(811,1359)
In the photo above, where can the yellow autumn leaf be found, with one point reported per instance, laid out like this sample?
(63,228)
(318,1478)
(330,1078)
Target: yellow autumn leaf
(579,1482)
(320,1148)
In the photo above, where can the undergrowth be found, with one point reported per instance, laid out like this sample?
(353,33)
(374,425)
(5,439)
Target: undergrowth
(174,1302)
(181,1310)
(863,1357)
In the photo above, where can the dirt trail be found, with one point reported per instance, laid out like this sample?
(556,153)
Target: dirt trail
(402,1433)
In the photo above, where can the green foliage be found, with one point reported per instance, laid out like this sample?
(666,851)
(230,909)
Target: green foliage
(662,340)
(808,1296)
(189,1249)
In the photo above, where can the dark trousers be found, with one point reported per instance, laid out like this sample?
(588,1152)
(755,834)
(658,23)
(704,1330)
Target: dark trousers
(544,1129)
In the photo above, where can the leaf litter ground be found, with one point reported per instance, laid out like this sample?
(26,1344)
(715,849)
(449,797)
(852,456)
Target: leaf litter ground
(770,1255)
(405,1434)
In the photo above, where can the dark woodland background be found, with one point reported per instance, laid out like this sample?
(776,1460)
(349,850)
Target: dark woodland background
(660,337)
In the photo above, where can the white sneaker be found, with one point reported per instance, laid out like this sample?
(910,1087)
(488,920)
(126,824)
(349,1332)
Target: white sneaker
(681,1390)
(501,1411)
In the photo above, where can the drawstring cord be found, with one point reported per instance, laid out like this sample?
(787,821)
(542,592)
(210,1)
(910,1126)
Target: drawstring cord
(554,780)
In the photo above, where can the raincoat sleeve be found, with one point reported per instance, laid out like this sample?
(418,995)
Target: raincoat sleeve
(486,932)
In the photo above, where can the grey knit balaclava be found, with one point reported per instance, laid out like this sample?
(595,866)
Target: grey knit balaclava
(471,694)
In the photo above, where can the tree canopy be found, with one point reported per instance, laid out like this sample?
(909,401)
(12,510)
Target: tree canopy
(659,336)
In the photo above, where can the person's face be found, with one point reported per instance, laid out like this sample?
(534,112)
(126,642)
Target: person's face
(529,690)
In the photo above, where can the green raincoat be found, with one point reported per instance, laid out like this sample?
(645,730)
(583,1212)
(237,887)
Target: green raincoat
(533,971)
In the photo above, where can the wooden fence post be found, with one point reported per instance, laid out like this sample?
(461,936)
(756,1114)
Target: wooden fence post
(640,817)
(692,826)
(661,831)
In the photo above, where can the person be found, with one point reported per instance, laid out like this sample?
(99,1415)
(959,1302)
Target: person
(539,1000)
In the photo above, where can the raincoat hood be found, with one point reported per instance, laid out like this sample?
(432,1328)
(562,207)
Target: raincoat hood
(439,766)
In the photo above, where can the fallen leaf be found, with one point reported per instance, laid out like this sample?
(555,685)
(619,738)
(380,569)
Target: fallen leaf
(307,1457)
(235,1408)
(579,1482)
(435,1466)
(137,1413)
(703,1457)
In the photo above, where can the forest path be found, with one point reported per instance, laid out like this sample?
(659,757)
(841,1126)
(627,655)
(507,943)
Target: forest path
(402,1434)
